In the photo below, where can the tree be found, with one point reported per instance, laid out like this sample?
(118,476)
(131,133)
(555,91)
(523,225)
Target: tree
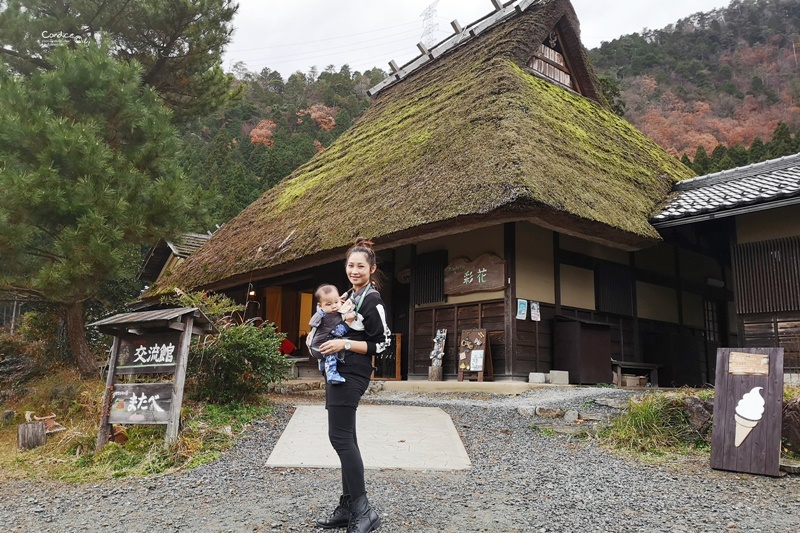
(781,143)
(178,42)
(701,163)
(757,152)
(88,171)
(611,92)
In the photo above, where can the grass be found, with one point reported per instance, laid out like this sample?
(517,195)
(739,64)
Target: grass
(207,431)
(654,425)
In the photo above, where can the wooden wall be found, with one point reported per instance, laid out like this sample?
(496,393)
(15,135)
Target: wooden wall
(771,330)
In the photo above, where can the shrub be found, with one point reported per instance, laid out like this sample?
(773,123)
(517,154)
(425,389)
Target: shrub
(240,361)
(20,361)
(653,425)
(236,364)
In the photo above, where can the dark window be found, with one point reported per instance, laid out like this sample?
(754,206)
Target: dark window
(711,320)
(614,289)
(427,278)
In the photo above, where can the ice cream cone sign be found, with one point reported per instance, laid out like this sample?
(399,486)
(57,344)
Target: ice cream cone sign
(748,414)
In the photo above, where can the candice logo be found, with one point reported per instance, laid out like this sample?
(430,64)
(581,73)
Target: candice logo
(60,37)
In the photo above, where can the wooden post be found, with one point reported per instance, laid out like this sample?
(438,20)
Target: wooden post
(180,377)
(435,373)
(105,432)
(31,435)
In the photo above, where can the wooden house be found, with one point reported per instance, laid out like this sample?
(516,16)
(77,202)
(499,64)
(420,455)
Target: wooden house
(750,217)
(494,147)
(167,255)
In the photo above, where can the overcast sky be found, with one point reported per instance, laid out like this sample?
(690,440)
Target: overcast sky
(292,35)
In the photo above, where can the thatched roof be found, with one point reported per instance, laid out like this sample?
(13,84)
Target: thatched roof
(471,138)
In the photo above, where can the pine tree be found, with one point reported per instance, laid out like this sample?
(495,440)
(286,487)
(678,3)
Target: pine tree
(757,152)
(701,163)
(179,43)
(781,143)
(88,171)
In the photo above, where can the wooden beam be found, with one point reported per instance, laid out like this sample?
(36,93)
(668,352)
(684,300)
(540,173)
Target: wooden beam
(105,431)
(509,253)
(180,378)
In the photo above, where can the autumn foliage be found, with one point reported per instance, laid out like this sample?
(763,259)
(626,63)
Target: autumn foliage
(321,114)
(262,134)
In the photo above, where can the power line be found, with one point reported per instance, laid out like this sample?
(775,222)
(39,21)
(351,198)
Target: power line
(324,53)
(348,36)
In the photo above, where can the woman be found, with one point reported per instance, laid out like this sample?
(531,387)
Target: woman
(342,400)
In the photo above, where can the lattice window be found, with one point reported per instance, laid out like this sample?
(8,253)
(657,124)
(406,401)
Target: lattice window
(768,275)
(711,320)
(427,280)
(614,289)
(549,61)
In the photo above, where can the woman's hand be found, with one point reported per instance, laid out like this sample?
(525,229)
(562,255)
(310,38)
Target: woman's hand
(332,346)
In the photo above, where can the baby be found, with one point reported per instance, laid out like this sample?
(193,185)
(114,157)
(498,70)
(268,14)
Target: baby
(333,320)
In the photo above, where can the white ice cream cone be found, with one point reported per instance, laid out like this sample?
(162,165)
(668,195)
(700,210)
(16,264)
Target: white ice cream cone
(743,428)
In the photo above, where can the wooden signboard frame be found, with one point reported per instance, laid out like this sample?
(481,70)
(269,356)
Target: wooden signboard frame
(148,343)
(474,355)
(486,273)
(387,366)
(748,410)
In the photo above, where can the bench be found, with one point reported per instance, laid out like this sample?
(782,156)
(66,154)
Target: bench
(618,366)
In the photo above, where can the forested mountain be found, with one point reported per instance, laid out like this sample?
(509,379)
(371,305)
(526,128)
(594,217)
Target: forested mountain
(725,77)
(722,87)
(271,128)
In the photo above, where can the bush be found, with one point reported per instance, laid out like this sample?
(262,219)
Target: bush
(237,364)
(20,360)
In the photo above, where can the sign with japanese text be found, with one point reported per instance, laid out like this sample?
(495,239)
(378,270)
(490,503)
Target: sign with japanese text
(748,363)
(140,403)
(147,354)
(486,273)
(536,311)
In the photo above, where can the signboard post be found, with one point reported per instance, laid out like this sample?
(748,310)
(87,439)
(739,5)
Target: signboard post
(748,403)
(474,355)
(148,343)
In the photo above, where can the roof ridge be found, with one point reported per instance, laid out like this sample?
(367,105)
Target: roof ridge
(453,41)
(738,173)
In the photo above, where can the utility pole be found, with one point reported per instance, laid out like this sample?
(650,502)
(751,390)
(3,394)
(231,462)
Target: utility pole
(429,26)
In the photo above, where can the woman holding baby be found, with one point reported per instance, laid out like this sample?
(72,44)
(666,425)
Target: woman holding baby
(342,400)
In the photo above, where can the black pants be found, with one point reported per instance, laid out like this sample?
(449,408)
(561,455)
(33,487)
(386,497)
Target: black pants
(342,433)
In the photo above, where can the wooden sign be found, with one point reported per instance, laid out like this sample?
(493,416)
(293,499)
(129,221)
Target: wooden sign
(149,354)
(486,273)
(148,342)
(748,363)
(748,405)
(474,355)
(140,403)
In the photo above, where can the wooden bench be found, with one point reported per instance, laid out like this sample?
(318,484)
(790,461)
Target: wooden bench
(618,366)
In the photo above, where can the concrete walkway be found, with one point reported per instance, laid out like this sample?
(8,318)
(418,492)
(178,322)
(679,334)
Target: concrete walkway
(389,436)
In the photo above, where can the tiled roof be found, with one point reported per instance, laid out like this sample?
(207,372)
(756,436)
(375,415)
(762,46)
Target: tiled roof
(188,243)
(730,192)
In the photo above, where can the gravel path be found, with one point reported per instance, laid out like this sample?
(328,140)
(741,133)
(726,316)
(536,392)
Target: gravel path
(521,481)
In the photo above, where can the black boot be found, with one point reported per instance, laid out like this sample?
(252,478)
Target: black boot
(340,516)
(363,518)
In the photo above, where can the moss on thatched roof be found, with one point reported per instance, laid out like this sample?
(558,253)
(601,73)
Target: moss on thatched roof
(473,136)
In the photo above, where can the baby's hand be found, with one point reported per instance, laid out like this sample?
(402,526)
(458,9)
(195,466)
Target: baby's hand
(346,306)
